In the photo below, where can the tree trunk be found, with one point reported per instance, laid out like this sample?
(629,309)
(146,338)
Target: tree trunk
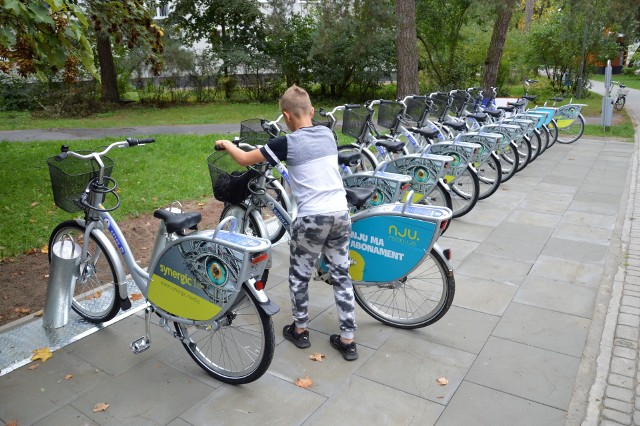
(528,14)
(107,69)
(496,47)
(406,48)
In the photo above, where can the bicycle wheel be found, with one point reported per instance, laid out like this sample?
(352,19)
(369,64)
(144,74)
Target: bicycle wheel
(544,139)
(95,295)
(238,348)
(524,153)
(247,224)
(367,161)
(465,191)
(509,162)
(536,143)
(619,103)
(275,228)
(416,300)
(553,133)
(489,177)
(571,132)
(439,196)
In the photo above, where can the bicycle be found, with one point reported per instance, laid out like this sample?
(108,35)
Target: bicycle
(401,276)
(621,95)
(209,284)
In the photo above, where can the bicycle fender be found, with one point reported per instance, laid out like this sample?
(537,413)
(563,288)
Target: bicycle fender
(438,248)
(262,229)
(269,307)
(123,293)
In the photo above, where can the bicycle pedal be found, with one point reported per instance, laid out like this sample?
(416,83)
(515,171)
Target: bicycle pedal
(140,345)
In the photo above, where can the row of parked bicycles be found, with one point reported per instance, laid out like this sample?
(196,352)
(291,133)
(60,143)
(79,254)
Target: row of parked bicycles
(409,167)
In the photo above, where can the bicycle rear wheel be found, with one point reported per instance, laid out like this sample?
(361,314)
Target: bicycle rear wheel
(275,228)
(619,103)
(416,300)
(489,177)
(553,133)
(465,191)
(571,132)
(240,349)
(95,295)
(509,161)
(524,153)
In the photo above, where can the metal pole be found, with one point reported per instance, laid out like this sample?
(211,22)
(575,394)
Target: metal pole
(584,51)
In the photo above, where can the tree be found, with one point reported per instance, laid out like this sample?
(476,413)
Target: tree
(406,48)
(496,46)
(38,37)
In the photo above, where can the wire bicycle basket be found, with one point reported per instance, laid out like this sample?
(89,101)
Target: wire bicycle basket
(416,108)
(229,180)
(354,121)
(388,112)
(252,132)
(70,177)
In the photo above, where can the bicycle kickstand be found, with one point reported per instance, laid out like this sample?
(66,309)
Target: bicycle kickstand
(143,343)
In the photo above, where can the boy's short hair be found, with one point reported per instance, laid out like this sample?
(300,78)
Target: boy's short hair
(296,102)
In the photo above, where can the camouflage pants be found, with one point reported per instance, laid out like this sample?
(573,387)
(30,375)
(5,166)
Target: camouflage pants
(311,235)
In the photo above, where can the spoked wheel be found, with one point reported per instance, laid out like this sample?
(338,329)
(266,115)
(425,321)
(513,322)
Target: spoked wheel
(417,300)
(544,139)
(524,153)
(247,224)
(367,161)
(570,131)
(536,144)
(509,161)
(238,348)
(489,177)
(553,133)
(465,191)
(95,295)
(619,103)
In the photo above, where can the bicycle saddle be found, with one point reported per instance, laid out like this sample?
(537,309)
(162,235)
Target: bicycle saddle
(427,133)
(456,125)
(175,222)
(348,159)
(507,108)
(391,146)
(480,117)
(358,196)
(557,99)
(493,112)
(530,97)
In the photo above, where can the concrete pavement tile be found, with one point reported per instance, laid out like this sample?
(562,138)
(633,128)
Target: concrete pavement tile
(589,219)
(524,217)
(511,248)
(556,188)
(178,358)
(460,249)
(542,196)
(543,206)
(151,393)
(507,195)
(486,213)
(593,207)
(543,328)
(580,251)
(267,401)
(532,373)
(569,231)
(464,230)
(482,406)
(525,234)
(179,422)
(28,395)
(359,402)
(483,295)
(568,271)
(109,349)
(460,328)
(597,186)
(413,364)
(495,268)
(66,416)
(560,296)
(586,195)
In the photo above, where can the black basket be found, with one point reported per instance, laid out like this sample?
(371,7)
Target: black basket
(229,180)
(416,108)
(440,105)
(252,133)
(70,177)
(354,121)
(388,112)
(459,102)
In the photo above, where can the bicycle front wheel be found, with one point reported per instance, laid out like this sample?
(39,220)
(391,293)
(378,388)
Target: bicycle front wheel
(238,348)
(509,162)
(571,132)
(465,191)
(367,161)
(95,295)
(619,103)
(247,224)
(416,300)
(489,177)
(553,133)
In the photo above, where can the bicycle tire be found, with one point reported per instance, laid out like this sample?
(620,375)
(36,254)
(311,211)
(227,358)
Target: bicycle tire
(95,295)
(275,228)
(524,153)
(367,162)
(572,132)
(419,299)
(544,139)
(439,196)
(465,191)
(240,349)
(619,103)
(553,133)
(536,144)
(247,224)
(489,177)
(509,162)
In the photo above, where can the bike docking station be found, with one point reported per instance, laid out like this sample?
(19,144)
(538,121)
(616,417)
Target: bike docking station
(607,101)
(65,256)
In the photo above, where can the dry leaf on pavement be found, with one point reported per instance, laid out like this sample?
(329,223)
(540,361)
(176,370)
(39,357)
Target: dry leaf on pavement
(304,382)
(68,376)
(33,366)
(316,357)
(44,249)
(135,296)
(442,381)
(12,423)
(100,406)
(42,353)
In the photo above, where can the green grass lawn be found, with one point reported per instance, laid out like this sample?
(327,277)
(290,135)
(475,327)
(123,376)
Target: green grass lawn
(632,81)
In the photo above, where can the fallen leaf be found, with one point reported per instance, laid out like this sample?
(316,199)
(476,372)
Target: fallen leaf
(12,423)
(316,357)
(100,406)
(200,204)
(33,366)
(22,310)
(43,353)
(68,376)
(44,249)
(46,276)
(304,382)
(96,295)
(35,203)
(442,381)
(32,251)
(135,296)
(39,313)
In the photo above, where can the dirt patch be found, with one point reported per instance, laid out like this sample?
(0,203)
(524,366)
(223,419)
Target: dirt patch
(24,279)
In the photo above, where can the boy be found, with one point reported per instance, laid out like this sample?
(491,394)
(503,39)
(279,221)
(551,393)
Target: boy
(323,220)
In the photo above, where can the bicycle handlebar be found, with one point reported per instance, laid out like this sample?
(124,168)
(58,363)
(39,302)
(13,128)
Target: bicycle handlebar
(129,142)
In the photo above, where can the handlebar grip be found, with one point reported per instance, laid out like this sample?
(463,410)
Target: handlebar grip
(218,148)
(322,113)
(62,156)
(350,106)
(134,142)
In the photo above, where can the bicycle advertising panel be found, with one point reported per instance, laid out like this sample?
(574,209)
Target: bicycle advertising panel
(462,153)
(509,131)
(424,170)
(389,243)
(388,186)
(196,277)
(488,142)
(566,114)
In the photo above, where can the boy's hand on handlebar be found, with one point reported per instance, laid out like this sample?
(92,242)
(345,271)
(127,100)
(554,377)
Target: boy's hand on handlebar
(220,144)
